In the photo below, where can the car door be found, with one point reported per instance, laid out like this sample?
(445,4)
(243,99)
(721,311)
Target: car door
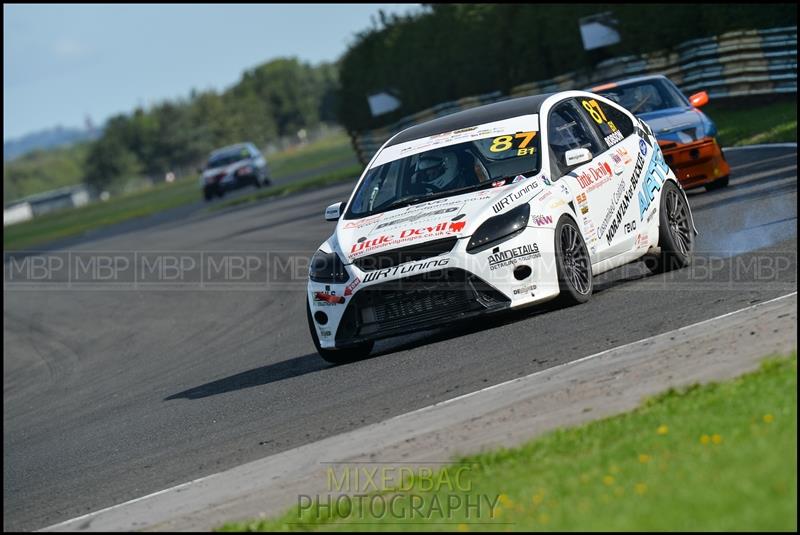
(618,227)
(591,184)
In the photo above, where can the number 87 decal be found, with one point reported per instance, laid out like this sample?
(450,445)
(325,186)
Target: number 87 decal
(504,143)
(597,114)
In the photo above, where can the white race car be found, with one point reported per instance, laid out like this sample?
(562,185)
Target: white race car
(502,206)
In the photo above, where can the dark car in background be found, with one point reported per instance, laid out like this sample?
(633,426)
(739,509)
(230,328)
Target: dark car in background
(233,167)
(686,135)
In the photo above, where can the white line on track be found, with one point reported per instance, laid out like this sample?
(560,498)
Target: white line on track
(762,146)
(447,402)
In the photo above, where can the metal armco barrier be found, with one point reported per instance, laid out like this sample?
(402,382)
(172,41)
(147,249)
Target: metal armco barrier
(734,64)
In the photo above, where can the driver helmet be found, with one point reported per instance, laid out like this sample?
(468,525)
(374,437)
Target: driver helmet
(437,168)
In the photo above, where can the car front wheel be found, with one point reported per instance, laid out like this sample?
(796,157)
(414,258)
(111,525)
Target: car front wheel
(675,233)
(573,264)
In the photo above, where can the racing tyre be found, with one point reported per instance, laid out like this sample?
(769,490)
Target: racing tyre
(573,266)
(675,233)
(256,182)
(337,356)
(719,183)
(208,193)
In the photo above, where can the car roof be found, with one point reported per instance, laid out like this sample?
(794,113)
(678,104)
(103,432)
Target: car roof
(487,113)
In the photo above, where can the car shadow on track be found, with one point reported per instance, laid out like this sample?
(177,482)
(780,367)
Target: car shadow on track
(312,362)
(262,375)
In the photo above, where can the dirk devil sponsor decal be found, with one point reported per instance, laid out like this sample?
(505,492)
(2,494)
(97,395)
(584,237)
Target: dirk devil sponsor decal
(509,257)
(444,228)
(364,244)
(626,199)
(594,177)
(514,196)
(404,269)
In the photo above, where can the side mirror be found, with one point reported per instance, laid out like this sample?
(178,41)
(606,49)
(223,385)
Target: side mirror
(576,156)
(699,99)
(334,211)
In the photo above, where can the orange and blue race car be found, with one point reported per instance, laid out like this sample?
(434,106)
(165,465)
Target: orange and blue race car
(686,135)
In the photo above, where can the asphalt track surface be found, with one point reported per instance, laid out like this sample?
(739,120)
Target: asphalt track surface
(114,392)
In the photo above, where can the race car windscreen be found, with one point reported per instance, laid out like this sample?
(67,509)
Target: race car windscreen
(645,96)
(445,171)
(227,158)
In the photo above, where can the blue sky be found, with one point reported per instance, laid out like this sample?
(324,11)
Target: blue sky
(64,62)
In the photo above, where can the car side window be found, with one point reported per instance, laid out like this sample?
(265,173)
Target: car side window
(567,130)
(611,123)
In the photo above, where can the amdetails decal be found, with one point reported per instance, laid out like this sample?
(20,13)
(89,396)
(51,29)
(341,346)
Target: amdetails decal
(509,257)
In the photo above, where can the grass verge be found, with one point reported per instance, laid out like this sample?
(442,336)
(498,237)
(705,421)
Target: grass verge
(322,153)
(343,175)
(715,457)
(751,125)
(72,222)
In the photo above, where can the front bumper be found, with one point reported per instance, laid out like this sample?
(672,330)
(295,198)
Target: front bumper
(696,164)
(416,303)
(459,285)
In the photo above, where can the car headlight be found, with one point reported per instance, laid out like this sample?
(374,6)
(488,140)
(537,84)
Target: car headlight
(499,228)
(327,267)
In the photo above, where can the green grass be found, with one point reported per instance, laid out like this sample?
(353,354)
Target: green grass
(349,173)
(72,222)
(750,125)
(715,457)
(333,149)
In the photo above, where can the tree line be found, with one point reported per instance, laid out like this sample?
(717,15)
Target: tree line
(275,99)
(272,100)
(449,51)
(440,53)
